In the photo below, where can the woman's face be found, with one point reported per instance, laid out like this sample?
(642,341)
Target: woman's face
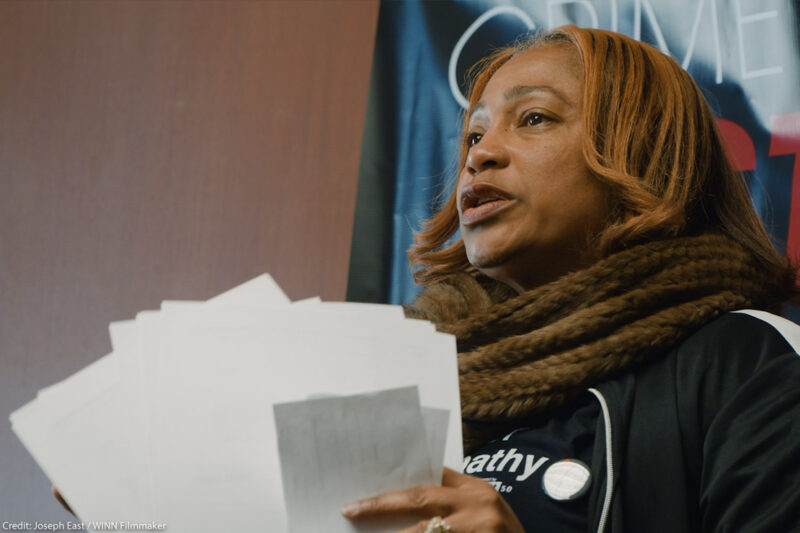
(527,203)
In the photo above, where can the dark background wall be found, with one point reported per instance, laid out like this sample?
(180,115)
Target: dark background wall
(164,150)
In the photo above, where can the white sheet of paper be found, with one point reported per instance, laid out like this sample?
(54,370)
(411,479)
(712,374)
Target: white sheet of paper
(174,425)
(86,432)
(259,290)
(341,449)
(436,422)
(240,365)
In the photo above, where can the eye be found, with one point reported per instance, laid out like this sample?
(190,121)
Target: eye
(472,139)
(532,118)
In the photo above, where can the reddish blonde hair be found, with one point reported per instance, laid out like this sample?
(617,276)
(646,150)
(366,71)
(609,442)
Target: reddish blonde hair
(649,135)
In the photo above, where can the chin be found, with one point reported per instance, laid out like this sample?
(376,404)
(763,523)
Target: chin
(491,247)
(492,263)
(484,259)
(499,264)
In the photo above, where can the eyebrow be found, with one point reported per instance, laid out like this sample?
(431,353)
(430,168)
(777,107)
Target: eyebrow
(522,90)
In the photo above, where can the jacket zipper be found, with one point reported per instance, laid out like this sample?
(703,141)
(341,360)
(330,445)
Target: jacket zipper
(609,460)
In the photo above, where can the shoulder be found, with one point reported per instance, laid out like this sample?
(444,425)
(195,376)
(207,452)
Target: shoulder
(746,339)
(740,387)
(739,358)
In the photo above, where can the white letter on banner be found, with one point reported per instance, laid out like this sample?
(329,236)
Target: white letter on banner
(451,70)
(637,24)
(749,19)
(715,27)
(584,3)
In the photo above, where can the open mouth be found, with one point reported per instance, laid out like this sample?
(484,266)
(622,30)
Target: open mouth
(480,201)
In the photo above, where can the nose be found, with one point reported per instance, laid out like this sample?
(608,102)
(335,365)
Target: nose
(489,152)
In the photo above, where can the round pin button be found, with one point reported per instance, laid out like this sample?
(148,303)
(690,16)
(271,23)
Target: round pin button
(566,480)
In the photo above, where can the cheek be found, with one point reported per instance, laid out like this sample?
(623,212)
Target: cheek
(564,202)
(590,207)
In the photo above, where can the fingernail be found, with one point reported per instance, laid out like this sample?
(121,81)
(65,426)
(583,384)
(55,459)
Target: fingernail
(350,509)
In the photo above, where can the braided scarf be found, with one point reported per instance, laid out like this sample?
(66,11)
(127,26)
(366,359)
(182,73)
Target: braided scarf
(520,355)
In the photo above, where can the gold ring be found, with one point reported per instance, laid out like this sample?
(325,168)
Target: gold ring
(437,525)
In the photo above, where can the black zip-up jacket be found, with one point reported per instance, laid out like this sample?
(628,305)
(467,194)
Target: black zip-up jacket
(706,438)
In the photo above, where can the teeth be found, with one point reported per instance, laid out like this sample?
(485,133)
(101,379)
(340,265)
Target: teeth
(485,201)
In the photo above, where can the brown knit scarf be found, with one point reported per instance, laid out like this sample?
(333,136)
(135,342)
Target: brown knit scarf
(520,355)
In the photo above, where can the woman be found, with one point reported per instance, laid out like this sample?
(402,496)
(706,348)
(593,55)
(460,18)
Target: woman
(605,240)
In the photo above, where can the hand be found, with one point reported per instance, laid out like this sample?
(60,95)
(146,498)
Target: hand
(61,500)
(467,503)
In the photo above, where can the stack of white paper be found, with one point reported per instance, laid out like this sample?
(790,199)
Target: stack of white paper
(176,428)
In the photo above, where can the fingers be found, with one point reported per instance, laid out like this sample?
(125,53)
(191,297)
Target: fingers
(423,500)
(422,526)
(61,500)
(419,527)
(468,505)
(451,478)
